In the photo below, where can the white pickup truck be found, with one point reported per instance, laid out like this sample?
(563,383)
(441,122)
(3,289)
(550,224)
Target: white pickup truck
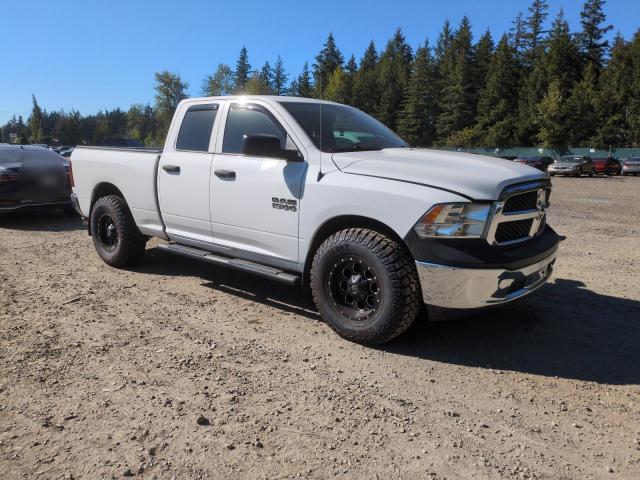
(315,193)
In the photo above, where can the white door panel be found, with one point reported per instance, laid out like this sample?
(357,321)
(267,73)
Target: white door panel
(258,210)
(184,173)
(184,195)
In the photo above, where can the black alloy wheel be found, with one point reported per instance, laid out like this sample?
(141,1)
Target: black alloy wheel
(354,288)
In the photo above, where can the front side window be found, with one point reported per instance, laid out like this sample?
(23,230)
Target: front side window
(243,120)
(195,131)
(338,128)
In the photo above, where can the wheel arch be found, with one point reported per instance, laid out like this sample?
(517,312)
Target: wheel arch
(342,222)
(102,189)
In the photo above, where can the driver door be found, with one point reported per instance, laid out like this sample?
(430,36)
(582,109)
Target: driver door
(255,199)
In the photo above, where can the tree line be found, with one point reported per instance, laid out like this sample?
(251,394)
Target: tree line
(538,85)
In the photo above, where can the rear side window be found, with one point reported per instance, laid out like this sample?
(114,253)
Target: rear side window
(195,131)
(249,120)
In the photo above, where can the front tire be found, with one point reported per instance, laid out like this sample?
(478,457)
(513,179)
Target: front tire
(365,286)
(114,232)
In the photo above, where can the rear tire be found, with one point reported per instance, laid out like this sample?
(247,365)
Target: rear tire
(365,286)
(115,234)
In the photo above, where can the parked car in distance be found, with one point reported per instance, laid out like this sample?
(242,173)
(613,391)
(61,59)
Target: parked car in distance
(607,166)
(33,177)
(631,166)
(537,161)
(573,165)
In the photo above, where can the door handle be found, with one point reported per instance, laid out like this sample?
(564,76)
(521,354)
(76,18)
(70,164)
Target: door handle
(171,168)
(229,174)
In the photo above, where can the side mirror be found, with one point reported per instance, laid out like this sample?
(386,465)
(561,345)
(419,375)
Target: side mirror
(263,145)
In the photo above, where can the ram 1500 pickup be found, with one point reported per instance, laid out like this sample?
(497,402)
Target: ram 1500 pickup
(316,193)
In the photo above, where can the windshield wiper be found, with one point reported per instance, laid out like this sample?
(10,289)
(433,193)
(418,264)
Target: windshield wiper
(358,147)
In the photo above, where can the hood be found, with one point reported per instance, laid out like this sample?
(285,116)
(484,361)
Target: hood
(474,176)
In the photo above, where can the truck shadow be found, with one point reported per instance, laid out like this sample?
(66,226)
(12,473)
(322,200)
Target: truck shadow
(41,220)
(242,285)
(565,330)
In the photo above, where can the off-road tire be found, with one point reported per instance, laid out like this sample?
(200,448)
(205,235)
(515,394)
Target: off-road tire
(130,242)
(400,296)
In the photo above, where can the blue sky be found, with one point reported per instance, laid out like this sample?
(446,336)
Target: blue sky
(92,55)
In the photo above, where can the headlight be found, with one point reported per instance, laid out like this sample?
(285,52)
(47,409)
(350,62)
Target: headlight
(465,220)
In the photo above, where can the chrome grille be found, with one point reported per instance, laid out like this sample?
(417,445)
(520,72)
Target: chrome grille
(519,214)
(524,201)
(509,231)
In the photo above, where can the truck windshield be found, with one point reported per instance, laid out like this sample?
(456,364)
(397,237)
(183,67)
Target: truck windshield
(338,128)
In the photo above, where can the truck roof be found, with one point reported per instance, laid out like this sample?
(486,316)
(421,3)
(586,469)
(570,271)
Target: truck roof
(272,98)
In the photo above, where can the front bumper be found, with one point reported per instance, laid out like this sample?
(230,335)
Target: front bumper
(463,288)
(631,169)
(563,171)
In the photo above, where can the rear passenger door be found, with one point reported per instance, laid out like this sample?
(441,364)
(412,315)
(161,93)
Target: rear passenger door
(183,174)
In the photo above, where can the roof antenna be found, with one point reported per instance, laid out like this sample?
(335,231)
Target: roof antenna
(320,174)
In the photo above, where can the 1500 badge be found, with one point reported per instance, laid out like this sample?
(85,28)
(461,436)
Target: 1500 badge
(284,204)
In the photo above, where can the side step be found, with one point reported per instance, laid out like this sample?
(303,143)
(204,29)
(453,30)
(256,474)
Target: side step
(235,263)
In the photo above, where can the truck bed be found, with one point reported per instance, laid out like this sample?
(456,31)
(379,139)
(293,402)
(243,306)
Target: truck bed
(132,169)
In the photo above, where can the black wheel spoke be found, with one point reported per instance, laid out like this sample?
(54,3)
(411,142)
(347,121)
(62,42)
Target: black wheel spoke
(354,288)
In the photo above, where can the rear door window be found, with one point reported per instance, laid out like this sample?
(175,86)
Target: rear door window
(195,131)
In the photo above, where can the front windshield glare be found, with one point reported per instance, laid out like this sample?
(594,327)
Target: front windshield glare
(338,128)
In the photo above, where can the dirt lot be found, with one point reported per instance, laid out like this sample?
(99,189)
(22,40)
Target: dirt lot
(104,373)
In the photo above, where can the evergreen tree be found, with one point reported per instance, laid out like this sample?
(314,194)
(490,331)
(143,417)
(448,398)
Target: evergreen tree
(365,84)
(480,67)
(336,88)
(458,90)
(562,61)
(305,88)
(393,70)
(533,33)
(222,82)
(583,118)
(416,120)
(243,69)
(551,116)
(497,107)
(592,42)
(327,61)
(266,77)
(279,77)
(36,122)
(632,112)
(257,85)
(349,79)
(443,46)
(170,90)
(616,97)
(517,36)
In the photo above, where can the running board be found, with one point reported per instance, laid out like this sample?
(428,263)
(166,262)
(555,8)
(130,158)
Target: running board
(235,263)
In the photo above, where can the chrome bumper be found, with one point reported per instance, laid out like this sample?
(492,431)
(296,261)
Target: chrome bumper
(454,287)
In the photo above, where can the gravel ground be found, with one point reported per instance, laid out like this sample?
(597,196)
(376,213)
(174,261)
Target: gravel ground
(179,370)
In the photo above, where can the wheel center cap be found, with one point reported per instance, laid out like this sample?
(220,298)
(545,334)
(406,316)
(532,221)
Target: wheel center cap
(353,282)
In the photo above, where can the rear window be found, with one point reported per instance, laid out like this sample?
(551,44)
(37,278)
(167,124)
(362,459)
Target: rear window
(195,131)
